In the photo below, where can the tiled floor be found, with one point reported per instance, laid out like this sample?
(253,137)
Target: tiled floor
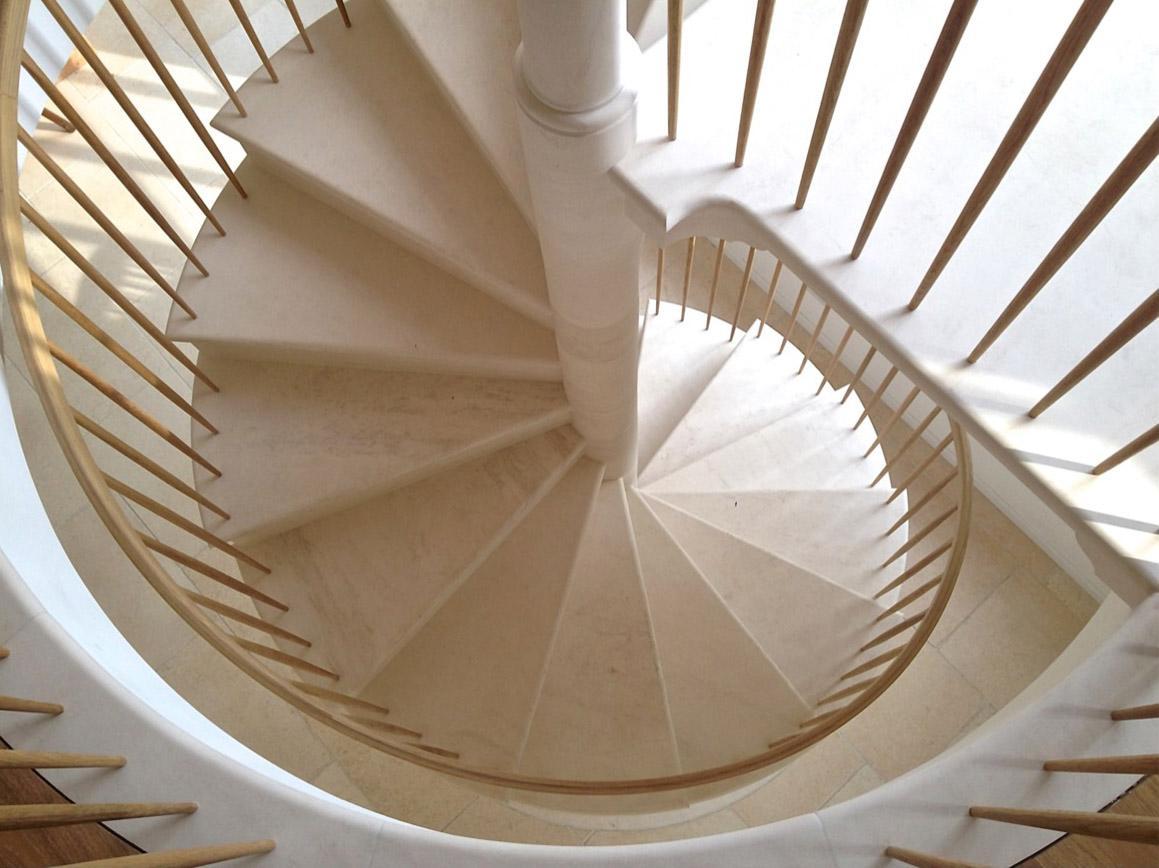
(1013,611)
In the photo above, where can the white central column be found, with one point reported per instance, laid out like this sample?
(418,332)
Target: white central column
(574,74)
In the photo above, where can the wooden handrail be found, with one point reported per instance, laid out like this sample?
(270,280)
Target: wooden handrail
(1145,440)
(675,31)
(925,860)
(1119,827)
(762,22)
(744,289)
(687,275)
(192,857)
(28,759)
(14,817)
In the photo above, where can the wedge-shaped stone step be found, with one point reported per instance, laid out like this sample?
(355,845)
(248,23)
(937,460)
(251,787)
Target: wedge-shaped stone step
(469,49)
(361,582)
(296,280)
(469,678)
(362,125)
(709,661)
(836,534)
(298,441)
(602,713)
(784,607)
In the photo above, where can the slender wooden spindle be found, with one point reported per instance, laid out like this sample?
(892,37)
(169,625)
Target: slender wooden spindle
(917,471)
(338,698)
(877,396)
(687,275)
(909,441)
(675,31)
(90,207)
(437,751)
(180,521)
(210,572)
(29,706)
(141,460)
(203,46)
(915,508)
(776,278)
(1118,827)
(252,35)
(761,25)
(94,141)
(4,652)
(925,860)
(842,53)
(118,350)
(1120,181)
(299,26)
(931,80)
(869,354)
(1137,712)
(133,409)
(883,432)
(174,90)
(115,295)
(291,660)
(813,339)
(793,317)
(46,816)
(59,120)
(1141,764)
(851,690)
(192,857)
(873,663)
(342,11)
(821,718)
(27,759)
(912,571)
(1081,28)
(715,282)
(827,377)
(234,614)
(895,630)
(917,594)
(1143,441)
(1139,319)
(917,538)
(744,290)
(385,726)
(659,277)
(122,99)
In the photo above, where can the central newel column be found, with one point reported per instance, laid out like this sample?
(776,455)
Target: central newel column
(575,83)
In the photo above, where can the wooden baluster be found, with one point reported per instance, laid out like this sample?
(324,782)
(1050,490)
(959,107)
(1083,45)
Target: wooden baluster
(910,572)
(385,726)
(761,25)
(744,289)
(89,135)
(118,350)
(926,462)
(234,614)
(179,98)
(301,28)
(252,35)
(896,629)
(852,689)
(114,294)
(813,340)
(203,46)
(180,521)
(139,458)
(1118,827)
(931,80)
(921,591)
(59,120)
(122,99)
(925,860)
(279,656)
(842,52)
(27,759)
(916,539)
(191,857)
(925,498)
(4,652)
(877,396)
(342,11)
(437,751)
(1136,321)
(822,718)
(29,706)
(1142,764)
(90,207)
(909,441)
(827,377)
(47,816)
(776,278)
(1081,28)
(687,275)
(883,432)
(336,697)
(133,409)
(793,317)
(1143,441)
(210,572)
(873,663)
(675,31)
(1137,712)
(715,282)
(869,354)
(1120,181)
(659,277)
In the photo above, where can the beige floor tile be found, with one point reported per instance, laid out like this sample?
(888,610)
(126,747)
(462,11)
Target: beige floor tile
(334,780)
(865,780)
(1072,595)
(712,824)
(487,818)
(804,785)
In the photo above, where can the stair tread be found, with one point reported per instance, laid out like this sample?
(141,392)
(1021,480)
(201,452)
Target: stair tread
(300,441)
(785,614)
(469,49)
(360,594)
(297,280)
(602,712)
(469,678)
(381,144)
(708,660)
(836,534)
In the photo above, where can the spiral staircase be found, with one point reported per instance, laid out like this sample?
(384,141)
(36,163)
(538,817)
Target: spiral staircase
(399,525)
